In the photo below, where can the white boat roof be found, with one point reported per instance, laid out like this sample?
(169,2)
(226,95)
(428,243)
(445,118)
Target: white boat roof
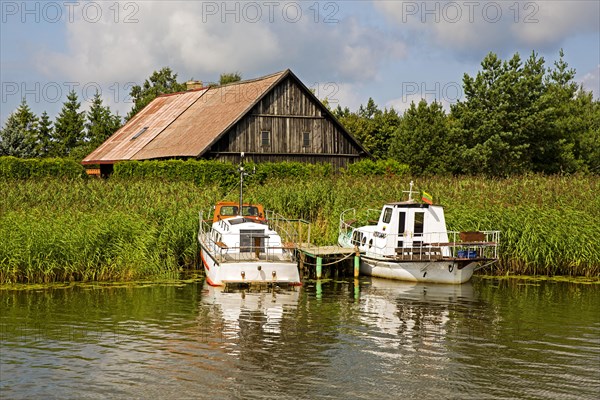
(410,204)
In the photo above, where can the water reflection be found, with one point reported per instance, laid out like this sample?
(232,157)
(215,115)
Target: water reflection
(242,313)
(364,338)
(411,314)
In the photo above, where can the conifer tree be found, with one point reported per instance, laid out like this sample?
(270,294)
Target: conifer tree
(44,142)
(69,127)
(19,134)
(101,123)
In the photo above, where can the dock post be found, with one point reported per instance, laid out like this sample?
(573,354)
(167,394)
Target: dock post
(356,264)
(301,261)
(319,267)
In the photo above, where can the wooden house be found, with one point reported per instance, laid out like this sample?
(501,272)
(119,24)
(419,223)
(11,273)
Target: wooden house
(273,118)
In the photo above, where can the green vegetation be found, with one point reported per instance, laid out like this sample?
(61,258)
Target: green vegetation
(124,229)
(204,172)
(18,168)
(517,116)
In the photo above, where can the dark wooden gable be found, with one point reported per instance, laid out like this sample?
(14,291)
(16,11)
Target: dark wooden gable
(288,124)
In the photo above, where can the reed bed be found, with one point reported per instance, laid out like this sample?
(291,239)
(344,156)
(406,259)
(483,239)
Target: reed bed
(119,229)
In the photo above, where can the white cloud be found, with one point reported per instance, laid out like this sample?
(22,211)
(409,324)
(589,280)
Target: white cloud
(483,25)
(591,81)
(199,39)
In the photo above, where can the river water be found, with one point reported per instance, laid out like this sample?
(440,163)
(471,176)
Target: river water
(346,339)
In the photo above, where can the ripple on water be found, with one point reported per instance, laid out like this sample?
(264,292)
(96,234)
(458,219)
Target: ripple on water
(386,341)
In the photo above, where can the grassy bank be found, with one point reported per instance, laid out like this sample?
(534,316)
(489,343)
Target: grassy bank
(121,229)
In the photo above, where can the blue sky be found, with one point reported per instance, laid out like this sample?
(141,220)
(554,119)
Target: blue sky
(393,51)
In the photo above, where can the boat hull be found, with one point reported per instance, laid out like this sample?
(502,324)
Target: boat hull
(249,272)
(418,271)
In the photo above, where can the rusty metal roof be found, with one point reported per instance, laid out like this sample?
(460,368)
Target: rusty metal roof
(183,124)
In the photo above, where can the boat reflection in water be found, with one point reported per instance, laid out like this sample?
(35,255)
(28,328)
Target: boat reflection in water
(246,313)
(412,316)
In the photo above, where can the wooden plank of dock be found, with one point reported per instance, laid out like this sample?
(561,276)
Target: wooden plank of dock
(324,251)
(320,252)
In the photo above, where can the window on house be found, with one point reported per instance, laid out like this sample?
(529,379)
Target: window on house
(265,138)
(144,129)
(306,139)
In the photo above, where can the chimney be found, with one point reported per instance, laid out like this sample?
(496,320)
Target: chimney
(191,85)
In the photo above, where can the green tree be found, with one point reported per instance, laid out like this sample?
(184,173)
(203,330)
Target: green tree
(566,120)
(19,135)
(518,117)
(45,133)
(501,124)
(373,127)
(582,119)
(160,82)
(422,139)
(69,127)
(14,140)
(101,122)
(230,78)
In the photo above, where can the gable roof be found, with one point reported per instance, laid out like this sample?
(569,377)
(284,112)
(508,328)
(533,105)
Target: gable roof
(187,124)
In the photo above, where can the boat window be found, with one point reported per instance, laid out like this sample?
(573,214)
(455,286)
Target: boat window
(229,211)
(387,215)
(357,237)
(401,223)
(419,223)
(250,211)
(235,221)
(252,240)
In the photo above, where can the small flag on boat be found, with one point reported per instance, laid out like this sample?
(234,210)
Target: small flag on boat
(427,198)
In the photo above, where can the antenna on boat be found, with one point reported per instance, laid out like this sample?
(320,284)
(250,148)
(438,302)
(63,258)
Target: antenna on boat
(410,191)
(241,169)
(242,174)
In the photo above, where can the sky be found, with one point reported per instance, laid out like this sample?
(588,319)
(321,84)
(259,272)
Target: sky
(392,51)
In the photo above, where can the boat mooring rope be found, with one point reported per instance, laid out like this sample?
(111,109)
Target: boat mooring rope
(331,263)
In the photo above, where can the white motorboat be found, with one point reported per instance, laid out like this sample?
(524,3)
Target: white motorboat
(241,243)
(410,242)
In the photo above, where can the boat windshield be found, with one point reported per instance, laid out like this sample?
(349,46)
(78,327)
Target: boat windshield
(251,211)
(229,211)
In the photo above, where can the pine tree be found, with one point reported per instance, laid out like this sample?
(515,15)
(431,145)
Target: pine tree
(19,135)
(422,140)
(68,128)
(44,142)
(14,140)
(101,123)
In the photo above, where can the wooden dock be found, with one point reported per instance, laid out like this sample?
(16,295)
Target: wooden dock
(336,257)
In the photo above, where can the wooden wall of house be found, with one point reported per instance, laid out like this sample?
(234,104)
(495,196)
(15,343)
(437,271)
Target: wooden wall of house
(287,113)
(337,162)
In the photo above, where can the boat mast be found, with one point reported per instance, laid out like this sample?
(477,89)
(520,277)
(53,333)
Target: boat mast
(241,169)
(409,191)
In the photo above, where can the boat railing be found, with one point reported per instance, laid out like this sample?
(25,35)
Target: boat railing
(482,245)
(348,218)
(283,251)
(238,253)
(291,231)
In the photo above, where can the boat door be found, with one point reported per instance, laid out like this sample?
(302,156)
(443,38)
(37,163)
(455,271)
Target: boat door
(418,228)
(401,228)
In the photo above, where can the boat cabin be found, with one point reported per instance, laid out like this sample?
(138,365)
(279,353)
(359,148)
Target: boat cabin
(230,209)
(402,225)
